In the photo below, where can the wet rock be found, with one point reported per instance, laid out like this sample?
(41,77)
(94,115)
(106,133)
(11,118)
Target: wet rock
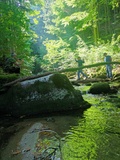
(40,143)
(51,93)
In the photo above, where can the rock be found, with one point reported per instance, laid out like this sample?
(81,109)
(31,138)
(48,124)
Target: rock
(98,88)
(40,143)
(51,93)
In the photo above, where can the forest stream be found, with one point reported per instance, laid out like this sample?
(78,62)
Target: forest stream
(93,135)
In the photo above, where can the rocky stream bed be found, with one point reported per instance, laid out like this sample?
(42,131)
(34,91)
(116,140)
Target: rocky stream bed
(92,134)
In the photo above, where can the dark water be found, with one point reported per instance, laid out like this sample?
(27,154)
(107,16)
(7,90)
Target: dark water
(94,135)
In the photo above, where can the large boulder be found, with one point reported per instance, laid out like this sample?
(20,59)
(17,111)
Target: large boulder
(50,93)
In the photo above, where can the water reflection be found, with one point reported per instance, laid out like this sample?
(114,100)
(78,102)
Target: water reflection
(97,135)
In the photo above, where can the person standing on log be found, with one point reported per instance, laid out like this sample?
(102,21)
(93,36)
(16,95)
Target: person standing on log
(107,58)
(80,71)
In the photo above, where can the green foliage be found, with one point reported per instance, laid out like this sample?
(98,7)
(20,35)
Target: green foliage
(14,30)
(16,35)
(84,28)
(6,78)
(59,58)
(57,54)
(77,28)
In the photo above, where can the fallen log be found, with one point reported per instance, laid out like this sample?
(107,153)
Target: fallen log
(59,71)
(89,80)
(26,78)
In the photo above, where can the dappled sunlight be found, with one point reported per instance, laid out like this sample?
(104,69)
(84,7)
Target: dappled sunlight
(47,37)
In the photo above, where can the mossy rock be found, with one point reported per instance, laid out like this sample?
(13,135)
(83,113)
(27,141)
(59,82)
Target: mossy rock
(99,88)
(52,93)
(61,81)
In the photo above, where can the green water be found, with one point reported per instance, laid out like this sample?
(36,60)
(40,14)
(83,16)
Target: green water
(94,135)
(97,134)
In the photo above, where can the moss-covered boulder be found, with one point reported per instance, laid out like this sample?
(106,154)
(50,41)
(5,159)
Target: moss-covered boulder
(101,88)
(50,93)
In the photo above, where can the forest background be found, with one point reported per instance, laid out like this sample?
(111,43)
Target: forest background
(48,35)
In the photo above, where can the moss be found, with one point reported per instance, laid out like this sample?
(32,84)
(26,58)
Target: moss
(6,78)
(98,88)
(61,81)
(43,87)
(39,87)
(42,97)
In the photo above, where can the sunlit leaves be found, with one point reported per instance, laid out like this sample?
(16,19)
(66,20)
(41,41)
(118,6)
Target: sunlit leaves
(34,12)
(71,3)
(77,16)
(35,21)
(59,55)
(66,21)
(35,2)
(115,3)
